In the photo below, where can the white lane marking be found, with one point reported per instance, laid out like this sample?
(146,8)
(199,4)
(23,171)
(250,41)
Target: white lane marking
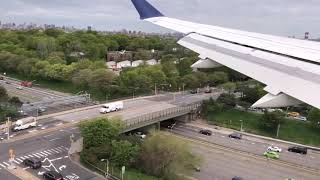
(47,152)
(253,143)
(66,157)
(59,124)
(54,139)
(55,150)
(6,163)
(48,135)
(26,168)
(16,162)
(2,165)
(36,155)
(19,159)
(39,154)
(74,128)
(33,131)
(223,136)
(43,154)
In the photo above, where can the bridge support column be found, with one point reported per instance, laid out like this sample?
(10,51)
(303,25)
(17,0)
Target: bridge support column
(158,126)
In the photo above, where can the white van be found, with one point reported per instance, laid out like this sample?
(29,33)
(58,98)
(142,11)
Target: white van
(110,107)
(25,123)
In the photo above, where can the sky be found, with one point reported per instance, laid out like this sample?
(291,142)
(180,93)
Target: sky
(278,17)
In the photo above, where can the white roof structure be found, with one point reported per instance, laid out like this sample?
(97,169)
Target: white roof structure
(111,64)
(152,62)
(289,67)
(137,63)
(124,64)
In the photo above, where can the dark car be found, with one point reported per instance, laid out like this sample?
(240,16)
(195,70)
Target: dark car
(298,149)
(235,136)
(52,175)
(237,178)
(34,164)
(194,91)
(205,132)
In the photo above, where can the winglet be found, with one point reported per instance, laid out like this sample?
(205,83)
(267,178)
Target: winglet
(145,9)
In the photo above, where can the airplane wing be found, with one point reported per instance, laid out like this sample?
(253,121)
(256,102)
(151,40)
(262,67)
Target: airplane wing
(289,67)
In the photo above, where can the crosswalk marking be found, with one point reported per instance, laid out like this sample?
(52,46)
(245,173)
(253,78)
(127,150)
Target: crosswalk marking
(22,158)
(36,155)
(16,162)
(55,151)
(6,163)
(19,159)
(47,152)
(42,154)
(26,157)
(30,155)
(2,165)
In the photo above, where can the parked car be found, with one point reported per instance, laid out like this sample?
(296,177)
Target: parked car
(271,154)
(32,163)
(140,135)
(298,149)
(235,136)
(274,148)
(194,91)
(205,132)
(19,87)
(52,175)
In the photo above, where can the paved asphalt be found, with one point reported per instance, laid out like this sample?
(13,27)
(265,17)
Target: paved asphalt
(51,148)
(33,94)
(221,164)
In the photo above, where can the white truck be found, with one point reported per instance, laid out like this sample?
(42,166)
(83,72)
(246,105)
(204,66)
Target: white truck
(110,107)
(24,123)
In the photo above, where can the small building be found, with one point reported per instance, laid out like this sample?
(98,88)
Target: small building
(137,63)
(124,64)
(152,62)
(119,56)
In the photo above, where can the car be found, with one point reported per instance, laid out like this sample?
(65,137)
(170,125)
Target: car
(271,154)
(7,82)
(194,91)
(235,136)
(237,178)
(298,149)
(140,135)
(19,87)
(205,132)
(208,90)
(274,148)
(52,175)
(32,163)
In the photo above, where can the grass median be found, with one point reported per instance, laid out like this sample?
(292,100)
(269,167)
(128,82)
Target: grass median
(290,130)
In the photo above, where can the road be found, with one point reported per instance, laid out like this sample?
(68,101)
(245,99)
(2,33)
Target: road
(33,94)
(249,163)
(51,147)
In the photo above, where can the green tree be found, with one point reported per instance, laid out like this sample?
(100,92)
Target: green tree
(3,95)
(124,153)
(228,100)
(101,79)
(82,78)
(218,77)
(229,86)
(100,131)
(314,117)
(271,120)
(164,155)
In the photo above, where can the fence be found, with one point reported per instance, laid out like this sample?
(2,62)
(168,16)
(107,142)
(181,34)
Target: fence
(158,116)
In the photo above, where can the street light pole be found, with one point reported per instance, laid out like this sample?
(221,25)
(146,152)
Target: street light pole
(241,125)
(106,164)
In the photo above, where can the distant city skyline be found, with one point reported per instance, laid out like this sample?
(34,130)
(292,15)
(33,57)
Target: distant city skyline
(285,18)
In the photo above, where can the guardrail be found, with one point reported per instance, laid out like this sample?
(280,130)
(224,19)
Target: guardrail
(154,117)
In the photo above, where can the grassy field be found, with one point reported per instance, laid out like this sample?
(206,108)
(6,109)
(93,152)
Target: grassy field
(290,130)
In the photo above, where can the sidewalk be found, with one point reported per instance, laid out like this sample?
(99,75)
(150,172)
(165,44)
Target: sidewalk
(23,174)
(253,137)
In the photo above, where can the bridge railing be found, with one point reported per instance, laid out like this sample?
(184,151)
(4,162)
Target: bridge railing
(160,115)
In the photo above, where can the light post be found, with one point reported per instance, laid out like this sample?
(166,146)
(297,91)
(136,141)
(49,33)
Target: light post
(106,164)
(241,125)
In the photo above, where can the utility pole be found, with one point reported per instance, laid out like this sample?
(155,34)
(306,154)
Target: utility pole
(155,88)
(241,125)
(8,127)
(278,130)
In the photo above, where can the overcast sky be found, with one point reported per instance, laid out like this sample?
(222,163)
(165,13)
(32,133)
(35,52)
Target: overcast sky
(279,17)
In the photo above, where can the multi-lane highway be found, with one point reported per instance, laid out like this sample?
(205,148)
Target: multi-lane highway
(41,142)
(225,157)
